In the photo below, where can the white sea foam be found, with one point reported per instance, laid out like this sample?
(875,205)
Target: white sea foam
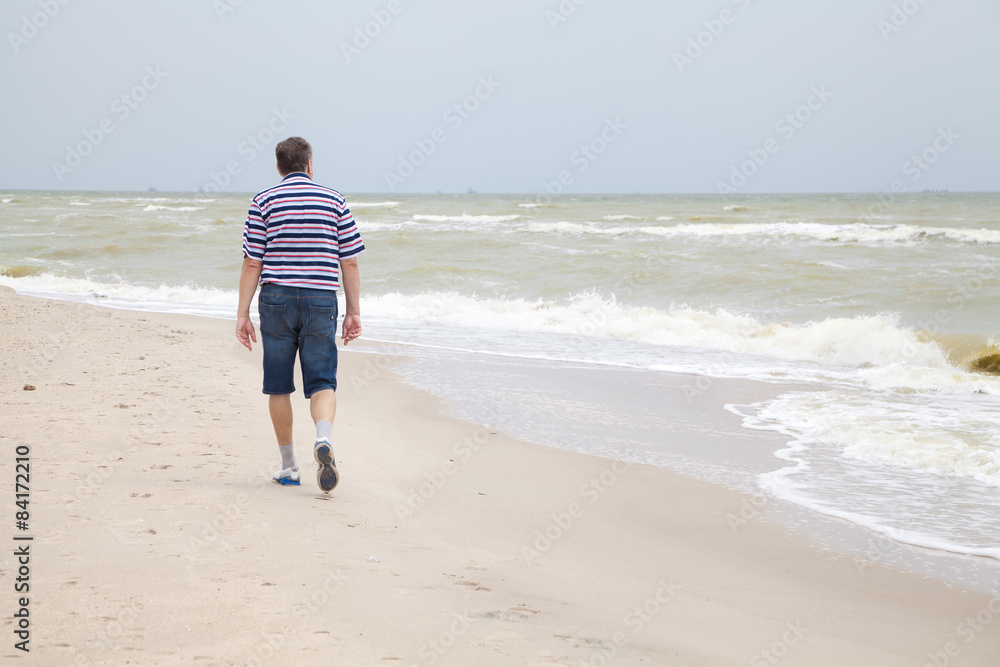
(79,203)
(885,460)
(881,352)
(379,204)
(665,218)
(924,433)
(573,228)
(850,233)
(735,207)
(849,343)
(156,207)
(530,205)
(374,226)
(466,218)
(621,218)
(187,299)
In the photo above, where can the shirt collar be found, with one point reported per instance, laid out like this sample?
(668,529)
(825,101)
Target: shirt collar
(295,174)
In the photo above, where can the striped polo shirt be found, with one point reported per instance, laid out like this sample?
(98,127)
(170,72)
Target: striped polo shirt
(301,231)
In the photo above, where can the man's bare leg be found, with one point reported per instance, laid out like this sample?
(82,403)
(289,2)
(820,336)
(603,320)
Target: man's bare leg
(323,407)
(280,407)
(281,418)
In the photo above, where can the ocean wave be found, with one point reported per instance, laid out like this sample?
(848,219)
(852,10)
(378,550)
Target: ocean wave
(871,351)
(19,271)
(372,226)
(189,299)
(530,205)
(886,459)
(565,227)
(850,233)
(831,233)
(621,218)
(735,208)
(921,434)
(466,218)
(859,343)
(156,207)
(379,204)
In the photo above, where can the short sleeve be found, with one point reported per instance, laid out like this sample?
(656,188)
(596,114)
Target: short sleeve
(348,236)
(254,234)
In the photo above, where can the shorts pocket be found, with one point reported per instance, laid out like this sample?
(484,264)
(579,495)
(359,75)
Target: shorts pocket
(272,318)
(322,321)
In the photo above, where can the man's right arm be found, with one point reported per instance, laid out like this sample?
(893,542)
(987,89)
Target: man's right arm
(249,277)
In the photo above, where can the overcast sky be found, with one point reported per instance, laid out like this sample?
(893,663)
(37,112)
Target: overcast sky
(629,96)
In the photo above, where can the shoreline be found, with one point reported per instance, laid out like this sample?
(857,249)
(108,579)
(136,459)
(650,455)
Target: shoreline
(152,450)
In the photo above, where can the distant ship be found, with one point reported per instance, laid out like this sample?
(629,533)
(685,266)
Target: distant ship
(936,192)
(471,192)
(152,189)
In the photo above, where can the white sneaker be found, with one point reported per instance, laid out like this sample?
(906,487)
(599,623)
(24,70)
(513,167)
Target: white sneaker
(287,476)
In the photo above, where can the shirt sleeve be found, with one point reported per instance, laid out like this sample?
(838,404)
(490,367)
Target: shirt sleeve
(348,236)
(254,234)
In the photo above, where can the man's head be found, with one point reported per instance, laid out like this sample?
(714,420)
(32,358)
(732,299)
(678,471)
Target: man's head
(294,154)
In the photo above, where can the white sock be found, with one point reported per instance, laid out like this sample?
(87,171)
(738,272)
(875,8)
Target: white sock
(287,457)
(324,429)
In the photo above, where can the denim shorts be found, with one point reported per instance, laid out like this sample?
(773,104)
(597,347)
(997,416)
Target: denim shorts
(296,319)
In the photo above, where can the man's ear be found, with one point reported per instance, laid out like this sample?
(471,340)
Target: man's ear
(309,169)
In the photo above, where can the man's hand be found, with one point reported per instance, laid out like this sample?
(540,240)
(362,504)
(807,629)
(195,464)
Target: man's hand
(245,331)
(249,277)
(352,328)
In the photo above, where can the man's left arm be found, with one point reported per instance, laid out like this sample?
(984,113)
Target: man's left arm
(351,278)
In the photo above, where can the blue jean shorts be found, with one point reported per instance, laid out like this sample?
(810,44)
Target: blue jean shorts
(296,319)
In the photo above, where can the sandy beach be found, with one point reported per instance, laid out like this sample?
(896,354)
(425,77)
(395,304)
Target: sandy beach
(160,539)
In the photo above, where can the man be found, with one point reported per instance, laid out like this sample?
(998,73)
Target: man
(300,244)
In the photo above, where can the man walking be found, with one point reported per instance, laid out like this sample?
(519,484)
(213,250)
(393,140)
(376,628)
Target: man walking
(300,244)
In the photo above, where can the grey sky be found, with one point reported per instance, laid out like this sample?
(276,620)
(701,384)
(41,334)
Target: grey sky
(609,68)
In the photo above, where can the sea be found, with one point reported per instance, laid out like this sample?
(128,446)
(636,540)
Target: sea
(861,332)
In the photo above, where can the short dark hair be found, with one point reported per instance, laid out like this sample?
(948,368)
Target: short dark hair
(293,155)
